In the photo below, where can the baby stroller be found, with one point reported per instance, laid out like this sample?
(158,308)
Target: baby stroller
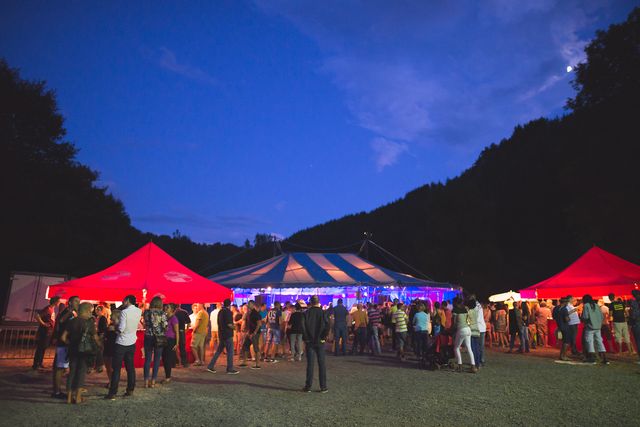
(432,359)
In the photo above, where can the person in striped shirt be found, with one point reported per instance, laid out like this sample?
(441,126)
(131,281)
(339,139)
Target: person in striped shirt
(375,317)
(400,321)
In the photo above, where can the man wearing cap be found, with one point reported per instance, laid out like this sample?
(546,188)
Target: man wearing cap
(314,331)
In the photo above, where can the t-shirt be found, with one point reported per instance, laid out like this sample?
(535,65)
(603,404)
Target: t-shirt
(400,319)
(202,319)
(295,321)
(617,311)
(447,319)
(360,318)
(171,323)
(340,315)
(420,321)
(273,318)
(61,321)
(253,319)
(183,318)
(225,318)
(374,317)
(592,316)
(75,328)
(214,320)
(574,318)
(46,316)
(563,313)
(542,315)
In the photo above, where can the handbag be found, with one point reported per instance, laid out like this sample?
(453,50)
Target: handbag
(558,334)
(88,344)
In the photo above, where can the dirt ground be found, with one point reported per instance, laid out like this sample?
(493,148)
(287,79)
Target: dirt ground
(512,389)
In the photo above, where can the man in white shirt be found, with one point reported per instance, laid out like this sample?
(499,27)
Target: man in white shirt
(213,318)
(125,346)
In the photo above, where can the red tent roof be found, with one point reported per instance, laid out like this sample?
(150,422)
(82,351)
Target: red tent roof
(148,269)
(597,273)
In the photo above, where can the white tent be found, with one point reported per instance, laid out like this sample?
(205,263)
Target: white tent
(505,296)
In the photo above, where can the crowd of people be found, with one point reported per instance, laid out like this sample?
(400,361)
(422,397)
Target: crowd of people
(103,337)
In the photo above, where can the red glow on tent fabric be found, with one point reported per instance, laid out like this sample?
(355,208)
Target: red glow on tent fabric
(597,273)
(146,273)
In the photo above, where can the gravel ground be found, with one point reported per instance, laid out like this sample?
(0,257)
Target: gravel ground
(510,390)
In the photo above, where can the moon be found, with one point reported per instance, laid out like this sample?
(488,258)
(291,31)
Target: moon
(569,68)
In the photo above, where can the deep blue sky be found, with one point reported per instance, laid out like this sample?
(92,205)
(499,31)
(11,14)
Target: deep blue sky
(223,119)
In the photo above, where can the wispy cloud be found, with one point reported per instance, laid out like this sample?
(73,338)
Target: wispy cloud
(446,73)
(168,60)
(387,152)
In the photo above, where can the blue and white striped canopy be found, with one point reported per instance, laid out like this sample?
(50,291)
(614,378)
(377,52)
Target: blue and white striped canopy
(303,270)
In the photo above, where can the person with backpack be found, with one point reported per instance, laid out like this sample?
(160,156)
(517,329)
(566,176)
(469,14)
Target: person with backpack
(82,339)
(315,329)
(155,339)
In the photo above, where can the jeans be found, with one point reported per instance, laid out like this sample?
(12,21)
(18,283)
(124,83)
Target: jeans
(183,349)
(123,353)
(43,338)
(475,349)
(340,332)
(635,330)
(463,336)
(169,357)
(375,341)
(523,333)
(316,351)
(248,343)
(591,337)
(420,338)
(77,372)
(574,337)
(481,349)
(360,339)
(150,349)
(228,345)
(296,346)
(401,339)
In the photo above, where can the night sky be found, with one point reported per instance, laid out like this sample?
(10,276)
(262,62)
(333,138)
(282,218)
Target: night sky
(227,119)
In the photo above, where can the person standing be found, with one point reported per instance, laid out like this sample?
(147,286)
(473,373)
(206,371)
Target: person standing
(155,339)
(421,329)
(592,318)
(562,319)
(200,325)
(125,346)
(542,318)
(462,333)
(184,322)
(173,335)
(252,336)
(44,334)
(399,320)
(574,321)
(315,330)
(274,319)
(482,329)
(620,325)
(340,314)
(360,321)
(516,326)
(634,317)
(213,319)
(61,358)
(101,325)
(225,332)
(375,318)
(295,322)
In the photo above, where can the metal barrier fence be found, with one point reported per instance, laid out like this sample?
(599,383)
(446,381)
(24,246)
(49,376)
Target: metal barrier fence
(19,342)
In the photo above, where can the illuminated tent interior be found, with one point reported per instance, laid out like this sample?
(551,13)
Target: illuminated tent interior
(597,273)
(294,275)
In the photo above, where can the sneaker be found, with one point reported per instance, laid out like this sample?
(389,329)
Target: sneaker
(606,362)
(255,367)
(110,397)
(306,390)
(60,395)
(273,361)
(213,371)
(233,372)
(324,390)
(242,365)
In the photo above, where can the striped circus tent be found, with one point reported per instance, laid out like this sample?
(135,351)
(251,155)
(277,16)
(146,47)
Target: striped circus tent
(318,270)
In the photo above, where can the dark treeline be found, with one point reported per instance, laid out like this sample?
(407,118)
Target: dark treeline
(533,203)
(527,207)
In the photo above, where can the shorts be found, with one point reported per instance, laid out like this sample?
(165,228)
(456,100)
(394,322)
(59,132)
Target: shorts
(621,330)
(273,336)
(197,340)
(62,357)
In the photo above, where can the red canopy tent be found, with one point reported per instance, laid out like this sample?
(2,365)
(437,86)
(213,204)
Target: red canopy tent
(597,273)
(147,272)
